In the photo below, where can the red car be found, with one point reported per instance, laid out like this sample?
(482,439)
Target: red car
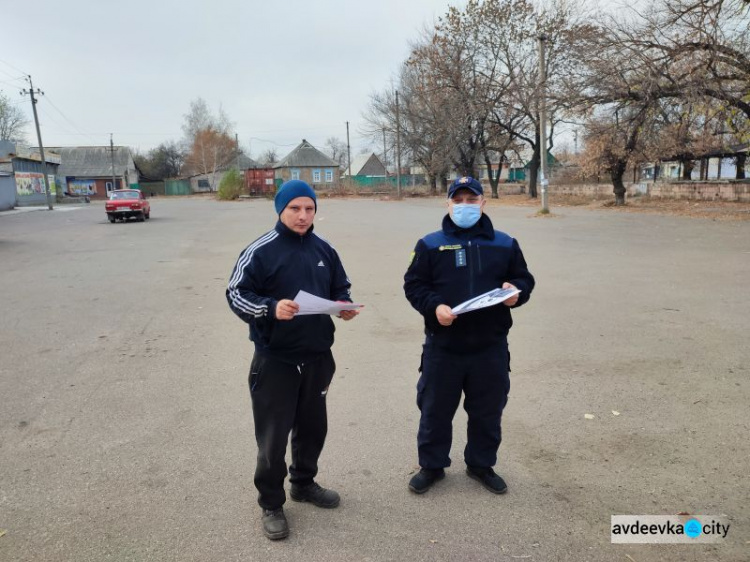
(126,203)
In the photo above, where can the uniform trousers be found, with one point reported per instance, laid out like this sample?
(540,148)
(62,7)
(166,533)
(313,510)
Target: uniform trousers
(483,379)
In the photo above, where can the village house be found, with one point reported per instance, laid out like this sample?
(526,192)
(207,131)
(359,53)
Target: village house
(308,164)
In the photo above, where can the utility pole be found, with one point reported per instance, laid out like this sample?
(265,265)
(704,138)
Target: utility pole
(348,152)
(112,160)
(398,149)
(543,122)
(31,93)
(385,156)
(237,148)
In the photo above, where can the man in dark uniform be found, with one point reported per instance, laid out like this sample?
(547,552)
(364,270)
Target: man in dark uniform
(468,353)
(292,365)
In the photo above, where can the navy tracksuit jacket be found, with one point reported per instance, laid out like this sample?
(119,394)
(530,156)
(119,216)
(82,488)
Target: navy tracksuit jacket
(471,356)
(277,266)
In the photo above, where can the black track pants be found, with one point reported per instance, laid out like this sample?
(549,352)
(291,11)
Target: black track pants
(288,398)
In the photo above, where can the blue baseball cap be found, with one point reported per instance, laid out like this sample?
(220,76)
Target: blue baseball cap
(465,182)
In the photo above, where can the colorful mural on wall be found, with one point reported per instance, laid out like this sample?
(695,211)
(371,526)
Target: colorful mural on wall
(81,187)
(29,183)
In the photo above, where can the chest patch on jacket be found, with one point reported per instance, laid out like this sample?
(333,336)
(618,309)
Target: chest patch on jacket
(461,258)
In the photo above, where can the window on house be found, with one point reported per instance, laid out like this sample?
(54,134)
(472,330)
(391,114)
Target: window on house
(329,176)
(204,184)
(295,173)
(316,176)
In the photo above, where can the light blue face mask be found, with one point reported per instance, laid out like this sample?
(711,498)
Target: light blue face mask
(466,215)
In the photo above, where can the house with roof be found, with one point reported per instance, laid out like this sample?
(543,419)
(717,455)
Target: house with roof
(23,175)
(366,169)
(365,165)
(309,164)
(202,183)
(728,163)
(96,170)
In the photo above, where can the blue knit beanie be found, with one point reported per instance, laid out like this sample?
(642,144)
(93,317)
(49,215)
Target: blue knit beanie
(291,190)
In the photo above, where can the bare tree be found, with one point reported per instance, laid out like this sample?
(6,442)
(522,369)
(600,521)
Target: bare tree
(469,87)
(211,151)
(269,157)
(210,146)
(164,161)
(200,118)
(674,72)
(424,122)
(337,149)
(12,121)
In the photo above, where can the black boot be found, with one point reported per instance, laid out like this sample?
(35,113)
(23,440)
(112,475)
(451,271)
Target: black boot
(424,479)
(316,495)
(488,479)
(275,526)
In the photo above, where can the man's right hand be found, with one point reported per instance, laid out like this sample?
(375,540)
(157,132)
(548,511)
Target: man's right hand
(444,315)
(286,309)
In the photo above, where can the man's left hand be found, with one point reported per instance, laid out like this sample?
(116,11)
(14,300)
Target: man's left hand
(512,300)
(348,314)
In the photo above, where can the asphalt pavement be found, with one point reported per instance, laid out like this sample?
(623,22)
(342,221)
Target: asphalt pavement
(125,423)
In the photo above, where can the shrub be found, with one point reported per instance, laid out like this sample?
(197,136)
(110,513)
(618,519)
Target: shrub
(230,186)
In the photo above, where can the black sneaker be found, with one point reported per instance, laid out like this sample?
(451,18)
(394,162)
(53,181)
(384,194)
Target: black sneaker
(275,526)
(316,495)
(488,479)
(424,479)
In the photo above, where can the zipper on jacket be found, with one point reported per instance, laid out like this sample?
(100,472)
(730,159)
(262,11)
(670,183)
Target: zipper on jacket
(471,273)
(479,259)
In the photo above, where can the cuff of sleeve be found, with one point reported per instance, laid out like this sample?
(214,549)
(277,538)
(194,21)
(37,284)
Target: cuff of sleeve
(272,308)
(431,308)
(524,296)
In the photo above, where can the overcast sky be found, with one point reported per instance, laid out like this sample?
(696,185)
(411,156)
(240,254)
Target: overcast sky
(282,70)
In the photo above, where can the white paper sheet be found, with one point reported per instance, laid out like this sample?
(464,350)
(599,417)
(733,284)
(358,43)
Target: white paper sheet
(490,298)
(310,304)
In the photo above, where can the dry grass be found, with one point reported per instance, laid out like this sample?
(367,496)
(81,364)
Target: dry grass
(717,210)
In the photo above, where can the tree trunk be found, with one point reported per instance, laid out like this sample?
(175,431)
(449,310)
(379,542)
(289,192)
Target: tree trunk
(533,173)
(741,160)
(494,179)
(433,185)
(617,173)
(687,169)
(534,166)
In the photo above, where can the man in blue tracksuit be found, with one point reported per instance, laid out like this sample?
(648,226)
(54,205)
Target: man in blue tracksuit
(468,353)
(292,365)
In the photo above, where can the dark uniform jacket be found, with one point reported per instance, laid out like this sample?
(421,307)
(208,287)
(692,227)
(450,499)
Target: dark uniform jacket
(274,267)
(453,265)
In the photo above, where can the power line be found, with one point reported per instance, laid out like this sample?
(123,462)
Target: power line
(9,75)
(68,120)
(10,84)
(63,128)
(49,116)
(272,142)
(14,67)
